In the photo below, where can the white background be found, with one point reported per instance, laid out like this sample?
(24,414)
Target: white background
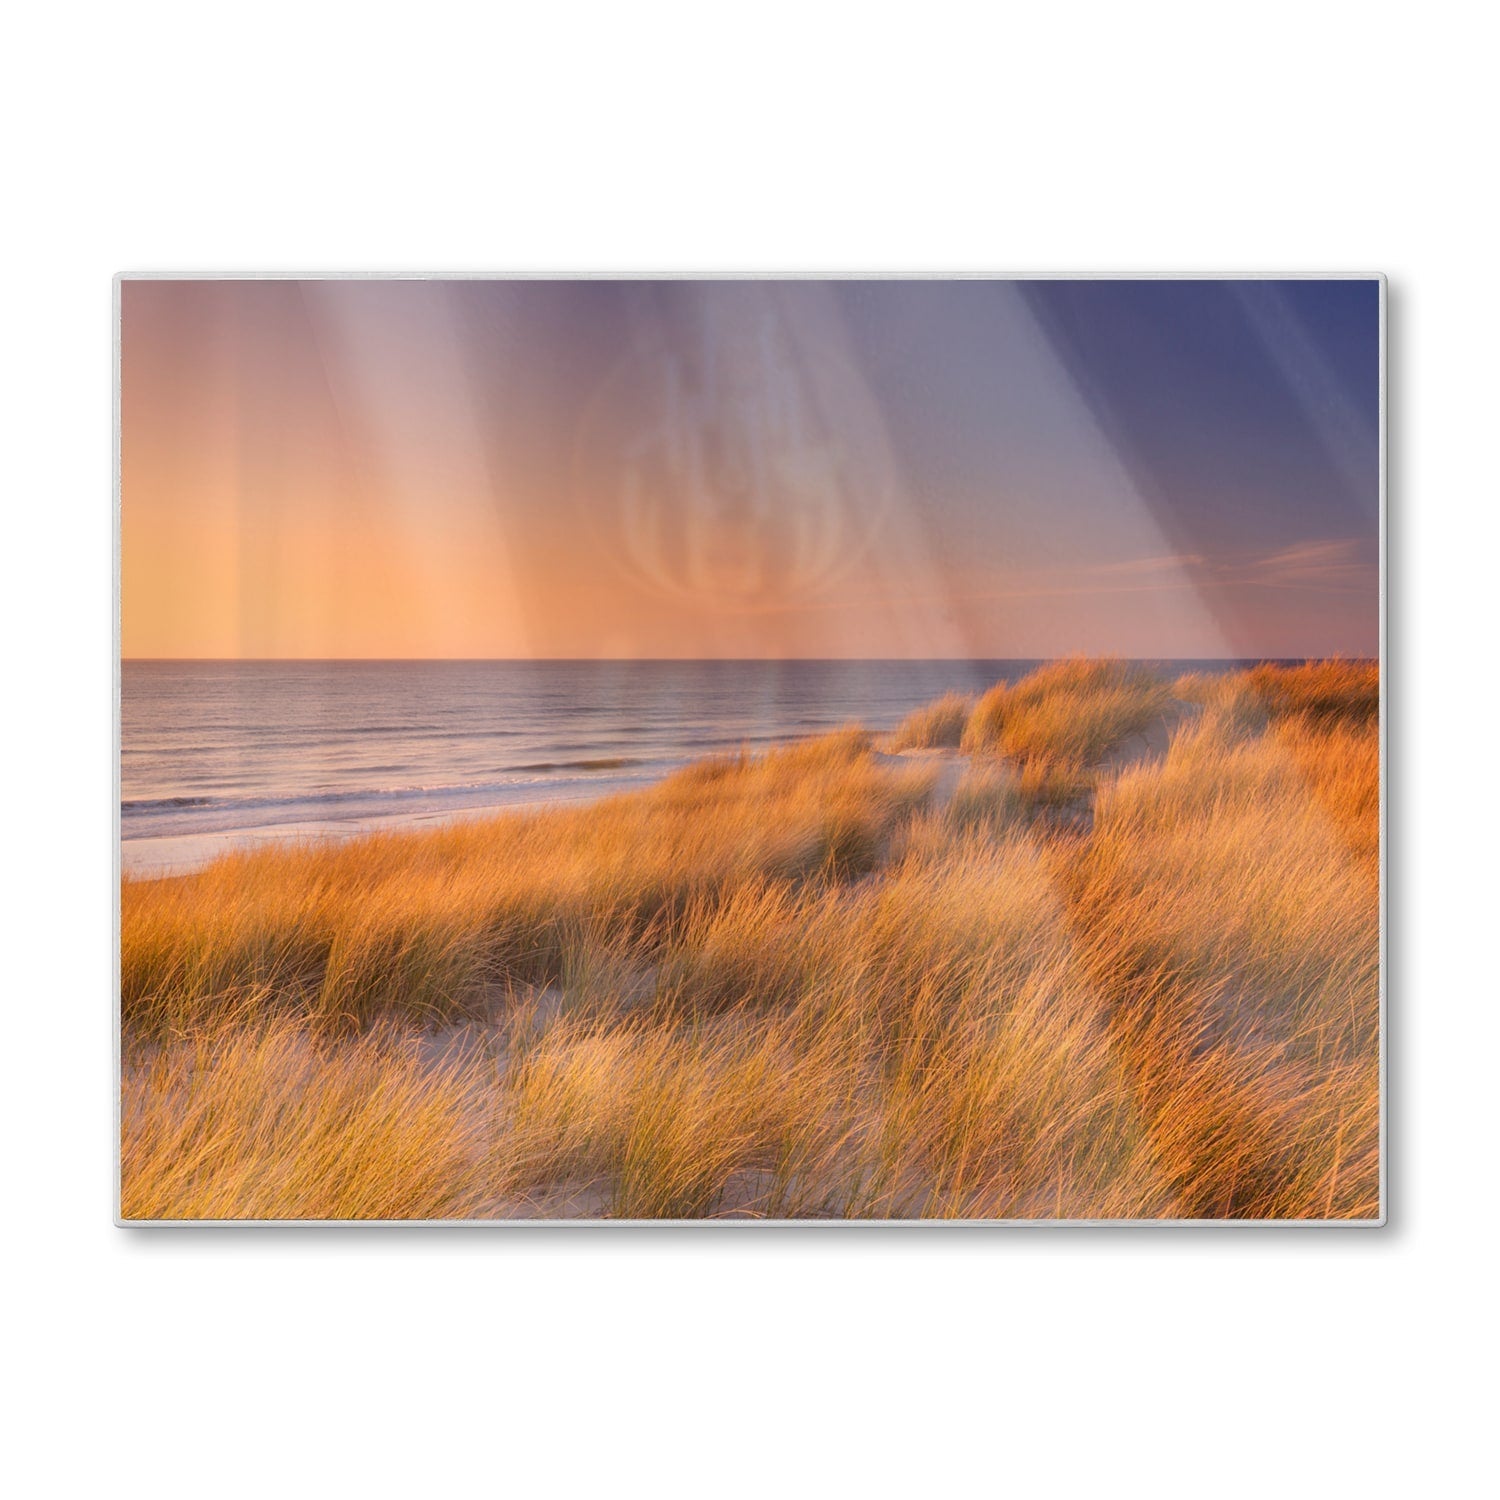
(932,138)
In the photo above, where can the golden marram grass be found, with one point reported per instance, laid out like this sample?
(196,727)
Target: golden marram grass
(811,983)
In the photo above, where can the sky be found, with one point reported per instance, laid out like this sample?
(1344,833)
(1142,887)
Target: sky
(979,469)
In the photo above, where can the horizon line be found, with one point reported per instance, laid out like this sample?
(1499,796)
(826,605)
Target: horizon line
(599,660)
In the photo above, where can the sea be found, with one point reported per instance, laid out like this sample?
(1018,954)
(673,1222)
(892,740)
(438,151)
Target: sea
(221,753)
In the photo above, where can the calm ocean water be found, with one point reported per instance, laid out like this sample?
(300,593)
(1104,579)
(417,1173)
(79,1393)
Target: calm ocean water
(213,748)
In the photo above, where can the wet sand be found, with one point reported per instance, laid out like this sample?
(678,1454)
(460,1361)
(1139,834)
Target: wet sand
(178,854)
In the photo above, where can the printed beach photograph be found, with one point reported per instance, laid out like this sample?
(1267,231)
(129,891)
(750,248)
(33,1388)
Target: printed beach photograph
(750,750)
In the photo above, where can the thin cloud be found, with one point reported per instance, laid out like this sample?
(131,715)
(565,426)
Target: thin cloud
(1336,563)
(1143,566)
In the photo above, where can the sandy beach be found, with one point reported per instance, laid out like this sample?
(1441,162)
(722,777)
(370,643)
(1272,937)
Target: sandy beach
(178,854)
(225,755)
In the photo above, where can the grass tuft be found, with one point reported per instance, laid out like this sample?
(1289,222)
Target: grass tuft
(1069,713)
(1337,691)
(938,726)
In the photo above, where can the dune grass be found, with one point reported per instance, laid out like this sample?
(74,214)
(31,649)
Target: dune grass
(794,985)
(1324,690)
(1232,896)
(938,726)
(251,1117)
(420,925)
(1062,719)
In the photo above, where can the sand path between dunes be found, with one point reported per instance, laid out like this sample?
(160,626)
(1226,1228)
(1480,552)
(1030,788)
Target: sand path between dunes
(1146,747)
(951,765)
(489,1033)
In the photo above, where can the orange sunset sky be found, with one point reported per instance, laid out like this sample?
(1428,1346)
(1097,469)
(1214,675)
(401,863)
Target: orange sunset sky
(745,469)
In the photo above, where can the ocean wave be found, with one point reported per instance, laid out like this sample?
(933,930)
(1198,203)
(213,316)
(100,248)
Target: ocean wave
(603,763)
(150,804)
(314,798)
(501,782)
